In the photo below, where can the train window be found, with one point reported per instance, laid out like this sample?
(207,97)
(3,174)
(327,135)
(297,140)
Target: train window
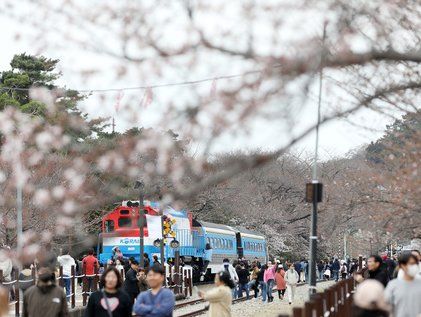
(109,225)
(124,222)
(124,212)
(225,244)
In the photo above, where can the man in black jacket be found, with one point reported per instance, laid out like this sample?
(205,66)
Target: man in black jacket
(131,285)
(376,271)
(243,280)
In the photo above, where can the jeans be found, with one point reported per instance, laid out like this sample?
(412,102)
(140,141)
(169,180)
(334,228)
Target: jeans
(320,275)
(234,291)
(263,286)
(335,275)
(270,287)
(242,287)
(66,282)
(254,285)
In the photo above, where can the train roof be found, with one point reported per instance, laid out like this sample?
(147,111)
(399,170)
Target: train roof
(244,231)
(215,226)
(247,232)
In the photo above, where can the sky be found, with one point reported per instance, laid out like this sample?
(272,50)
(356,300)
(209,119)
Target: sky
(337,138)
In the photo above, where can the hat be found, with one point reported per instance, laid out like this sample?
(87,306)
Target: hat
(370,296)
(135,262)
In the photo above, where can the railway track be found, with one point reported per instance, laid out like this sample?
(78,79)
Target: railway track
(205,309)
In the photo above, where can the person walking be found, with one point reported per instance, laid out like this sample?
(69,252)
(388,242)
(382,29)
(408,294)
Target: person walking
(269,279)
(89,266)
(404,294)
(146,260)
(335,269)
(291,279)
(157,301)
(119,266)
(261,281)
(297,267)
(280,282)
(207,258)
(110,300)
(142,283)
(25,278)
(320,269)
(343,270)
(66,262)
(376,270)
(155,260)
(243,281)
(254,284)
(226,266)
(45,298)
(6,264)
(219,298)
(131,283)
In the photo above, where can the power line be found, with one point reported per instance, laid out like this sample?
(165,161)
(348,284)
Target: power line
(144,87)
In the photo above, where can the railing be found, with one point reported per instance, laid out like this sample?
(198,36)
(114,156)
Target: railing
(180,281)
(335,301)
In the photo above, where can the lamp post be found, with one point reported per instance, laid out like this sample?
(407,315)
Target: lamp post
(314,189)
(139,185)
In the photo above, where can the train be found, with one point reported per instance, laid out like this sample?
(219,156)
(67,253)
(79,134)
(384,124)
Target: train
(120,227)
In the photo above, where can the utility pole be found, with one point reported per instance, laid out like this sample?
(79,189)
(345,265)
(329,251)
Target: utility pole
(139,185)
(314,189)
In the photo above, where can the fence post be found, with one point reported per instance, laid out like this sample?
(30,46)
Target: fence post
(190,282)
(185,282)
(176,272)
(16,286)
(84,287)
(33,275)
(73,285)
(318,304)
(60,279)
(297,312)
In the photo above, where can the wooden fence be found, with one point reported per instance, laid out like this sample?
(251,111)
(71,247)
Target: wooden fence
(335,301)
(177,279)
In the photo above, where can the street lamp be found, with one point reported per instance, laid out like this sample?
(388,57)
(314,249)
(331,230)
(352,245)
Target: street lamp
(314,189)
(139,185)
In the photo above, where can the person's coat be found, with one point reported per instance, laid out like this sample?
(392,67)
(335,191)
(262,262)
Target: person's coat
(6,266)
(291,278)
(131,285)
(280,280)
(66,261)
(228,267)
(49,300)
(220,300)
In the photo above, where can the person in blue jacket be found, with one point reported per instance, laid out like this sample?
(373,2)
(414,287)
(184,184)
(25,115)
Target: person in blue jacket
(157,301)
(207,258)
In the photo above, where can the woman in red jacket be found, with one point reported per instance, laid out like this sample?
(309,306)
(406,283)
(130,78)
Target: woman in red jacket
(280,282)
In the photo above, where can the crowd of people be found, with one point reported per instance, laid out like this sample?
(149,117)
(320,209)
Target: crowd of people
(386,286)
(125,288)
